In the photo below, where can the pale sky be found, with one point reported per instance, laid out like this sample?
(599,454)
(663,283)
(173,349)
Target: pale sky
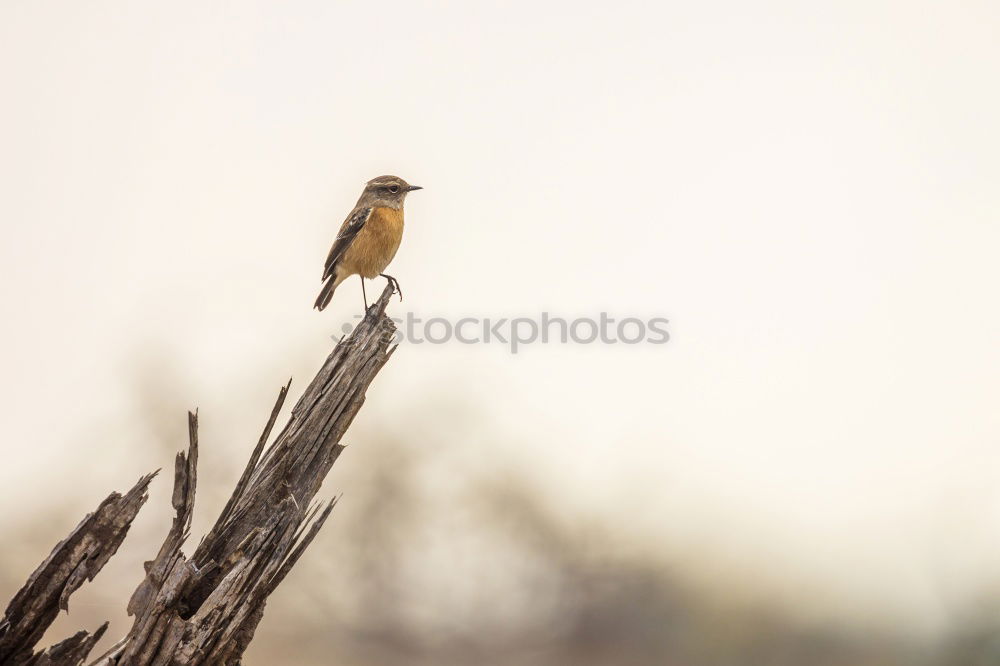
(808,193)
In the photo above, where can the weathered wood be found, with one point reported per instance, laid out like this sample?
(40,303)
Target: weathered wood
(76,558)
(204,609)
(71,651)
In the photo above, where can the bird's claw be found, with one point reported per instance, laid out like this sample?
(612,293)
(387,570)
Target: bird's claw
(396,289)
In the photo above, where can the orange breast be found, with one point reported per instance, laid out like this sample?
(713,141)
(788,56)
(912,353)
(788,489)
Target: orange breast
(376,243)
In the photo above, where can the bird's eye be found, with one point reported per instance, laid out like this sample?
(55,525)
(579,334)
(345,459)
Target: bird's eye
(394,188)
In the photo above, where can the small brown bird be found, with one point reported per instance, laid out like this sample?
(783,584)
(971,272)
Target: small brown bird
(368,238)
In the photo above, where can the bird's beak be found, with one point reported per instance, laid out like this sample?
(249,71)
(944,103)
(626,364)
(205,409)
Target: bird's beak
(410,188)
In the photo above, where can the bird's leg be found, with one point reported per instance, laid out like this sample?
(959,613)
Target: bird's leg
(395,285)
(363,294)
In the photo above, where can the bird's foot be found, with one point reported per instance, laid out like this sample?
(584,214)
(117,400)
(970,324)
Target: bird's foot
(395,285)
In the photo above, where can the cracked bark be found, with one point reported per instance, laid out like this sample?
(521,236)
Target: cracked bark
(78,557)
(204,609)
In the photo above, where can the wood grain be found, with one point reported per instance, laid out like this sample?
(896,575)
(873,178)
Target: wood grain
(204,609)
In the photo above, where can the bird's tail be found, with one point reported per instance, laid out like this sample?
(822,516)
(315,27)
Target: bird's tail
(326,293)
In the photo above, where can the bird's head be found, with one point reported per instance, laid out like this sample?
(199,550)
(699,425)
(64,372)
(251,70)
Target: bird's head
(387,191)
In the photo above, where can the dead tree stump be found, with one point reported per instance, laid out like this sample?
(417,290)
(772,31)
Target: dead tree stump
(204,609)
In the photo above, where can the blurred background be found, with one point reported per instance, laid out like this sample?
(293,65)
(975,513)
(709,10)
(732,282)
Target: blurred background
(805,474)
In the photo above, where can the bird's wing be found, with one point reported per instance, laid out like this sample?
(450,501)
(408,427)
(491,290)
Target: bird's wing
(348,230)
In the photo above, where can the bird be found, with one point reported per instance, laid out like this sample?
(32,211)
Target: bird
(368,238)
